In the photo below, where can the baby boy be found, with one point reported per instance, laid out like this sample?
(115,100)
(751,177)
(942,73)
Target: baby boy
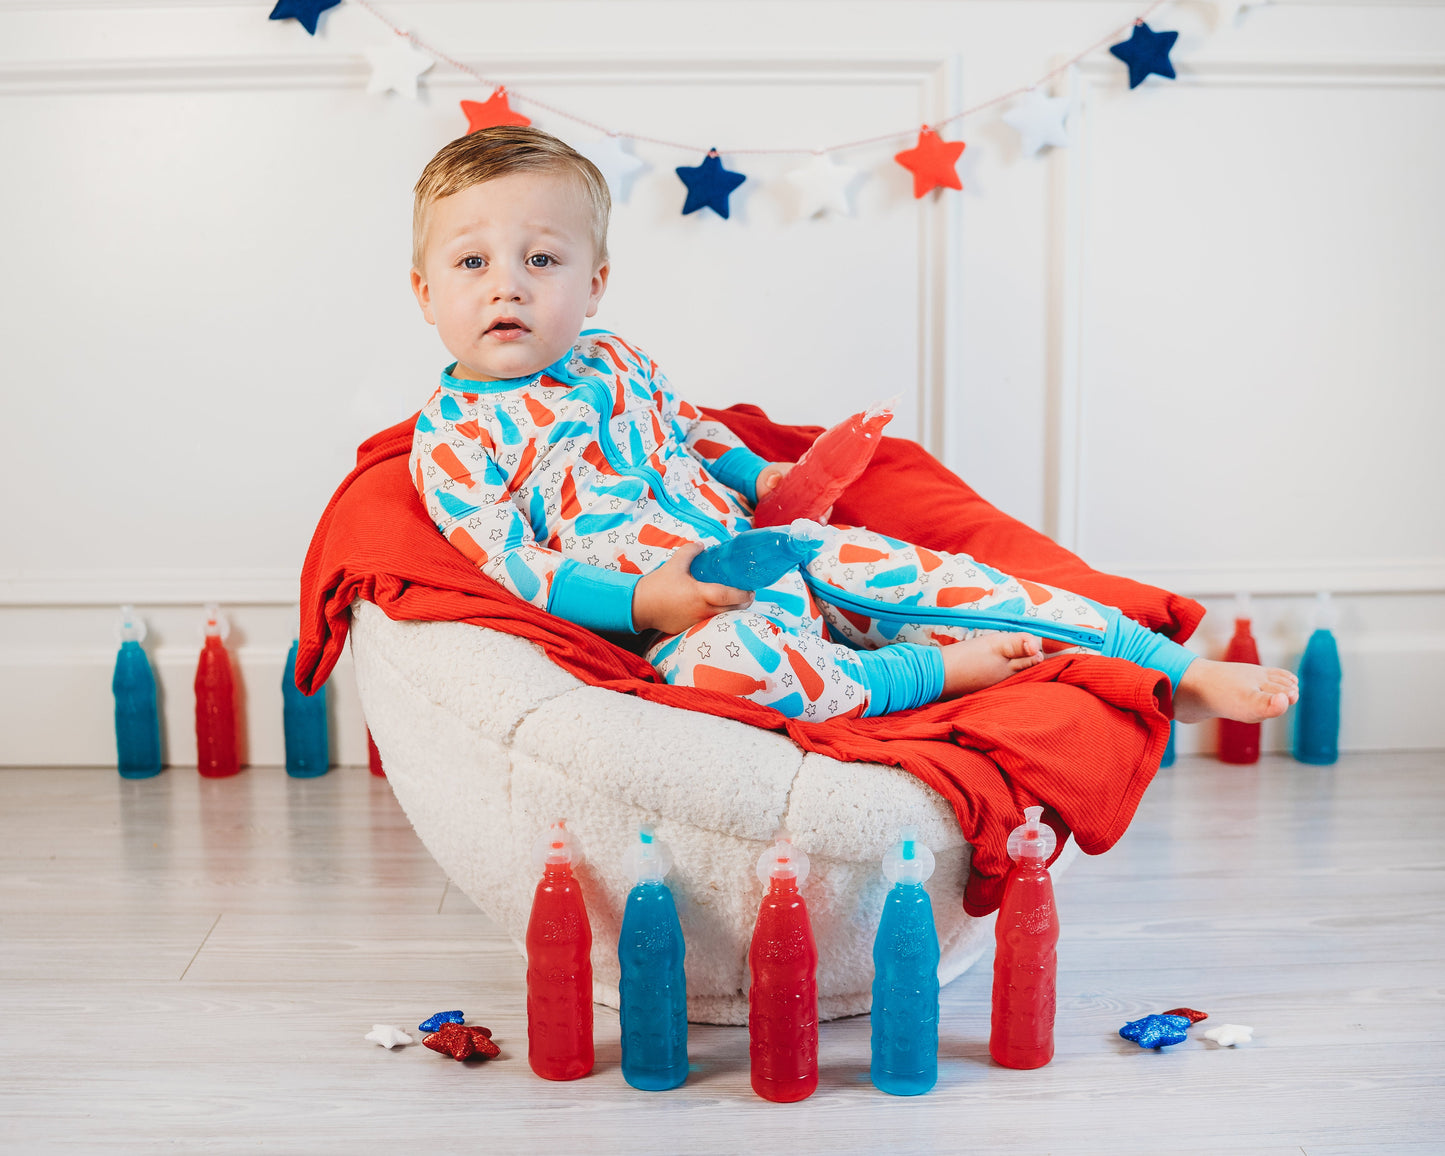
(561,463)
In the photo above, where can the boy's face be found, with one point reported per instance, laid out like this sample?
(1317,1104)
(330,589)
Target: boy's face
(509,273)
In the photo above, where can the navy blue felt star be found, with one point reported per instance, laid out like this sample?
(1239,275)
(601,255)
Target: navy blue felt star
(708,185)
(1146,51)
(306,11)
(1157,1031)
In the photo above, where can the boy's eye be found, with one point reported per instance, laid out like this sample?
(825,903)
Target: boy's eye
(539,260)
(472,262)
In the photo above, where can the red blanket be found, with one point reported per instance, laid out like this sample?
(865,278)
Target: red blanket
(1080,735)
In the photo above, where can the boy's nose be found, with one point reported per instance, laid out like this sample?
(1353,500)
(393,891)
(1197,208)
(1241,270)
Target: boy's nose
(506,286)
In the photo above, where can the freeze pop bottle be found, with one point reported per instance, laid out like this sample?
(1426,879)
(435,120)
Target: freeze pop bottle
(1025,959)
(905,975)
(215,702)
(559,963)
(653,989)
(1317,714)
(828,467)
(756,559)
(303,718)
(137,722)
(783,997)
(1239,742)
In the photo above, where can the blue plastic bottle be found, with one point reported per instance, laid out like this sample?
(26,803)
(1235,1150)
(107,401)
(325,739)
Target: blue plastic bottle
(905,976)
(654,986)
(137,722)
(1317,714)
(308,752)
(755,559)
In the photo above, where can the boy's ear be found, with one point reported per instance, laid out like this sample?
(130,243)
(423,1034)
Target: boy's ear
(422,290)
(599,287)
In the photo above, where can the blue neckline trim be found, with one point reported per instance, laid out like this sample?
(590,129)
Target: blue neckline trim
(558,371)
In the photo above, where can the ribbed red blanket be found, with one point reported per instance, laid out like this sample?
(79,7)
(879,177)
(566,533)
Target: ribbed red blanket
(1080,735)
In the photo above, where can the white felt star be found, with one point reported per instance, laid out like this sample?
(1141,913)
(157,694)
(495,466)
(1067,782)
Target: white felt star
(822,186)
(1227,1035)
(617,164)
(395,66)
(1039,120)
(387,1036)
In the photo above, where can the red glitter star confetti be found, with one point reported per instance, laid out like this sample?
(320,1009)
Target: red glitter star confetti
(1188,1013)
(493,111)
(463,1040)
(932,162)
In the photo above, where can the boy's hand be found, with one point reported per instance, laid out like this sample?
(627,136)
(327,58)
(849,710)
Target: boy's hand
(670,599)
(771,476)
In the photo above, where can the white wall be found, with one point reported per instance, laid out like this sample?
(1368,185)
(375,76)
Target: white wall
(1200,346)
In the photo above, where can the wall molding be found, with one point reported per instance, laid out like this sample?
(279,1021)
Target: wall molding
(1066,453)
(157,587)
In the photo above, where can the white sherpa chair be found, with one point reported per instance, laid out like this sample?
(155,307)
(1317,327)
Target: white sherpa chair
(485,742)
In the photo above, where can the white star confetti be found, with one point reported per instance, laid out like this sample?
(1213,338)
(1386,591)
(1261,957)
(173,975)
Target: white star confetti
(1227,1035)
(395,67)
(387,1036)
(822,185)
(1039,120)
(617,165)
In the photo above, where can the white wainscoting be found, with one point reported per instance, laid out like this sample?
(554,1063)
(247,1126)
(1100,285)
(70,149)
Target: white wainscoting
(1198,346)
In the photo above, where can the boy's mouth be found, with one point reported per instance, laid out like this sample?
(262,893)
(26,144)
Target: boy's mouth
(506,329)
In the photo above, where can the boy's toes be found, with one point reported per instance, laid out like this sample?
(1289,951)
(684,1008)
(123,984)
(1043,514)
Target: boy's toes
(1276,705)
(1017,646)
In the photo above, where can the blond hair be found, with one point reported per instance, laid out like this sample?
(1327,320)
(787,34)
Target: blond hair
(490,153)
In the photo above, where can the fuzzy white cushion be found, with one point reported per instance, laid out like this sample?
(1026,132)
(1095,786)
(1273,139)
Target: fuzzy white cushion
(485,742)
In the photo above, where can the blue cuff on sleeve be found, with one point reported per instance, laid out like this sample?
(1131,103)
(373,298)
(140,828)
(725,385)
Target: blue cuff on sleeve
(592,597)
(738,469)
(901,677)
(1141,646)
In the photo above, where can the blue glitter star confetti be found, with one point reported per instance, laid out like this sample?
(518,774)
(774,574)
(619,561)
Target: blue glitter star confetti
(1146,51)
(1157,1031)
(306,11)
(708,185)
(436,1021)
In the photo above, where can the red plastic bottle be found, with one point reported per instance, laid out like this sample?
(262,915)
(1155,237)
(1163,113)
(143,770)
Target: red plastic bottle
(1239,742)
(559,964)
(827,468)
(215,703)
(373,756)
(1025,961)
(783,998)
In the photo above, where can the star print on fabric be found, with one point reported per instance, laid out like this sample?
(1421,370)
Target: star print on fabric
(395,67)
(821,186)
(836,676)
(1057,615)
(1039,121)
(387,1036)
(592,560)
(1228,1035)
(646,555)
(616,503)
(613,536)
(933,162)
(708,185)
(1156,1031)
(587,543)
(496,535)
(787,680)
(1145,52)
(704,650)
(734,650)
(491,112)
(617,165)
(511,459)
(305,11)
(848,690)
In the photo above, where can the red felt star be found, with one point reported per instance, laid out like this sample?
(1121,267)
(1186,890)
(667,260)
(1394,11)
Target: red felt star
(932,162)
(493,111)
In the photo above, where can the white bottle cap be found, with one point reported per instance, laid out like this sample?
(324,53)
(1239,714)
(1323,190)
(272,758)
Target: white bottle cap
(132,627)
(782,861)
(648,859)
(1326,614)
(1033,840)
(907,861)
(217,624)
(555,846)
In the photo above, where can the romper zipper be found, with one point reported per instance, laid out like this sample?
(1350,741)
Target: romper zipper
(937,616)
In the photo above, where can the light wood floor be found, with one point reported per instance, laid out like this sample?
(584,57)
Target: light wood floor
(190,964)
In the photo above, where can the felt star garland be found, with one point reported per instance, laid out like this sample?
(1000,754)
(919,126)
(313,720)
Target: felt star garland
(491,112)
(708,185)
(821,183)
(306,11)
(933,162)
(395,67)
(1145,52)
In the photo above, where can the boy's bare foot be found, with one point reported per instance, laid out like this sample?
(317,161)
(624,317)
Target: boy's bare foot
(1236,690)
(980,662)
